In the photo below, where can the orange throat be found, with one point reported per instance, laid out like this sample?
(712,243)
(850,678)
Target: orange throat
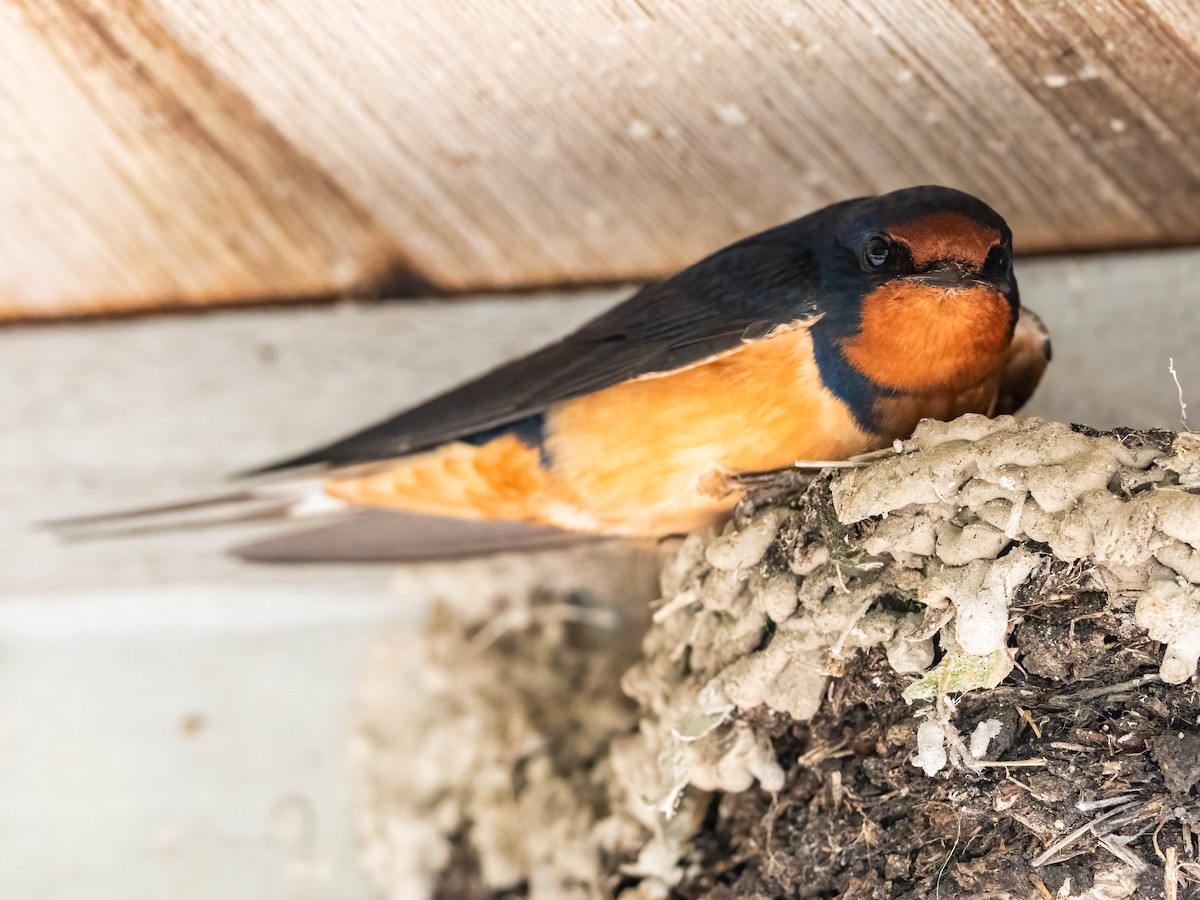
(923,339)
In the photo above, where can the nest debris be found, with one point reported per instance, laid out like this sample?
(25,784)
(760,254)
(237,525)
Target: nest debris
(966,669)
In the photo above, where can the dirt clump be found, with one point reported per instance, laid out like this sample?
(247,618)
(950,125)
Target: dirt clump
(963,668)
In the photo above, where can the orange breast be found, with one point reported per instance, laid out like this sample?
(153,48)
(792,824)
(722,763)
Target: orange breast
(647,457)
(650,456)
(899,415)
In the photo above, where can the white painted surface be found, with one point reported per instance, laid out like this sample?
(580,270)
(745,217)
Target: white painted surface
(1116,320)
(180,741)
(173,723)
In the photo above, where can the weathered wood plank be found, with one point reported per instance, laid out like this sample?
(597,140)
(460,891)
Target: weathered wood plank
(169,152)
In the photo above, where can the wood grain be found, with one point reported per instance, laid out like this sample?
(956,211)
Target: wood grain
(164,152)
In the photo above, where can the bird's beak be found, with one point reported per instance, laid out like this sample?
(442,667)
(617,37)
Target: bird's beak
(948,275)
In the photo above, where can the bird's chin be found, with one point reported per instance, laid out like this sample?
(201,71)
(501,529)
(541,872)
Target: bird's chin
(950,281)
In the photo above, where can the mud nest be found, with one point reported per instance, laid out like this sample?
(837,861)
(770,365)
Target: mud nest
(963,669)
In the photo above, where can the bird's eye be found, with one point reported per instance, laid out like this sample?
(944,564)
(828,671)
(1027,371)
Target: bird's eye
(876,251)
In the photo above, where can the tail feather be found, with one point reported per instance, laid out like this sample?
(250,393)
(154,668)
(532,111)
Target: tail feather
(140,512)
(342,532)
(461,500)
(374,535)
(261,504)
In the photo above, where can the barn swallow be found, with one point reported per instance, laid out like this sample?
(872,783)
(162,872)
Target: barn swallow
(820,339)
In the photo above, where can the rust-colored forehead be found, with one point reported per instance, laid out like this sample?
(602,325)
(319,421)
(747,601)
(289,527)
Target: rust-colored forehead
(946,235)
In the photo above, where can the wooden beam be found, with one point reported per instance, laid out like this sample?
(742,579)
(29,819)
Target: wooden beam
(170,152)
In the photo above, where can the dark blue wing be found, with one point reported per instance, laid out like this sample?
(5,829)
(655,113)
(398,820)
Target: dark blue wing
(734,296)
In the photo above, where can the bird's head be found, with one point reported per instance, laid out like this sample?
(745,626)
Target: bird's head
(919,286)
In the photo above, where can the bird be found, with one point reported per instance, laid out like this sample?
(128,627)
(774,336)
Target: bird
(824,338)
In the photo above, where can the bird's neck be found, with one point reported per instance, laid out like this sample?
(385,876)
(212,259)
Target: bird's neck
(917,338)
(912,344)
